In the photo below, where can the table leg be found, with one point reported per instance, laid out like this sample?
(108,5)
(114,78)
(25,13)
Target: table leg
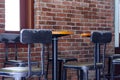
(54,56)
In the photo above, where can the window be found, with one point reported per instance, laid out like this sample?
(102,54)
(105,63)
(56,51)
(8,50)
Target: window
(19,14)
(12,15)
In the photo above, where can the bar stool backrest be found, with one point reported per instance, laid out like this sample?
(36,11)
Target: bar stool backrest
(28,36)
(31,36)
(100,38)
(7,38)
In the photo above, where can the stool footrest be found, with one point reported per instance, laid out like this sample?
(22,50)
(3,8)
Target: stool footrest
(65,59)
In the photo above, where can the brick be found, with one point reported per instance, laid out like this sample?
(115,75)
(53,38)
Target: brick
(2,1)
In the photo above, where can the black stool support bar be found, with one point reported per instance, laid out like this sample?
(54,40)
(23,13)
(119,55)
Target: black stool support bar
(42,59)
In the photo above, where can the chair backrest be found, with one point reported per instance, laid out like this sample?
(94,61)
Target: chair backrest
(100,38)
(9,38)
(31,36)
(28,36)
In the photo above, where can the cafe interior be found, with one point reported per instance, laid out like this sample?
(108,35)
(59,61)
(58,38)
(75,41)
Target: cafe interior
(59,40)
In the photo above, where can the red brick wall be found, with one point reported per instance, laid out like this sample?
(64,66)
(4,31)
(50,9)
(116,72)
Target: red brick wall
(78,16)
(74,15)
(2,22)
(2,15)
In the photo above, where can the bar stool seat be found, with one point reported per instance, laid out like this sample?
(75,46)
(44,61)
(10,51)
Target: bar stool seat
(19,63)
(116,61)
(82,65)
(19,71)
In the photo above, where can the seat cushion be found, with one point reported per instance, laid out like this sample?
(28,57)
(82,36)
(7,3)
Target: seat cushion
(15,61)
(14,69)
(18,69)
(116,60)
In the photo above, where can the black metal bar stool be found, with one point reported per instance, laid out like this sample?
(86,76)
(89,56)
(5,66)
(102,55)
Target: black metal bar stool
(11,39)
(30,37)
(114,60)
(100,39)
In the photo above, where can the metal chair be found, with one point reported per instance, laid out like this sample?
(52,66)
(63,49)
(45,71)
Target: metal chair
(11,39)
(29,37)
(100,39)
(114,60)
(14,39)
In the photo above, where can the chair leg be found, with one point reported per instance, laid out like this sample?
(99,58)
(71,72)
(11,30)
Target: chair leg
(79,74)
(64,75)
(60,70)
(103,74)
(17,78)
(23,78)
(108,76)
(44,77)
(48,63)
(85,74)
(97,74)
(40,79)
(112,72)
(2,78)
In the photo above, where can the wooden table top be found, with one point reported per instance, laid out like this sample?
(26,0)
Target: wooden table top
(64,32)
(85,34)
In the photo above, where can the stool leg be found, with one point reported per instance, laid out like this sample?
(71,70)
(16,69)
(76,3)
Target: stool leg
(47,69)
(2,78)
(60,70)
(85,74)
(64,75)
(17,78)
(112,71)
(109,68)
(80,74)
(23,78)
(39,78)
